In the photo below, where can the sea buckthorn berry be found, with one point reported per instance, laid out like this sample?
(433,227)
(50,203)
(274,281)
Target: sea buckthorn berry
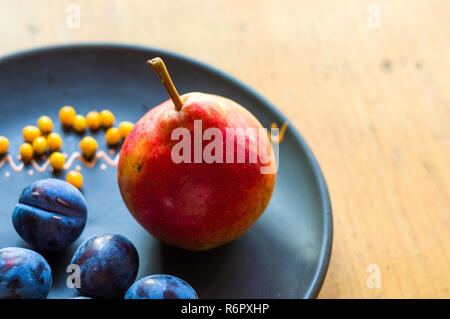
(45,124)
(79,124)
(4,144)
(54,142)
(26,152)
(75,178)
(39,145)
(67,115)
(57,161)
(88,146)
(30,133)
(113,136)
(125,128)
(93,120)
(107,118)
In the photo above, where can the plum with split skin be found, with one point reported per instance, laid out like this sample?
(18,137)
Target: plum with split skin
(161,287)
(24,274)
(50,214)
(108,266)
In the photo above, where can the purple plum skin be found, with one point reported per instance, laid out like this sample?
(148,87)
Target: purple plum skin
(161,287)
(50,214)
(24,274)
(108,266)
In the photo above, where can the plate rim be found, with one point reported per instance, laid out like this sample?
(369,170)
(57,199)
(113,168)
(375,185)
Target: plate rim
(326,248)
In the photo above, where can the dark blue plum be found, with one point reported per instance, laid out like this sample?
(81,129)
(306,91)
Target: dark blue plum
(24,274)
(108,266)
(50,215)
(161,287)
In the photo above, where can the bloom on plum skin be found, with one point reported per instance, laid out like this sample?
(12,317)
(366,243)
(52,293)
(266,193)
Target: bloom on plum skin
(161,287)
(108,266)
(50,214)
(24,274)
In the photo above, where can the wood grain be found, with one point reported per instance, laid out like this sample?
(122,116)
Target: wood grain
(373,103)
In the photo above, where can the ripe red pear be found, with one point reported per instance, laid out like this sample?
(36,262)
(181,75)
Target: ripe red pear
(179,194)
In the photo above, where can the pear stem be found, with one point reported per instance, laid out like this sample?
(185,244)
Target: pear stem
(160,69)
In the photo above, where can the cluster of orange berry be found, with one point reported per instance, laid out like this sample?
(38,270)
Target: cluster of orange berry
(40,138)
(94,120)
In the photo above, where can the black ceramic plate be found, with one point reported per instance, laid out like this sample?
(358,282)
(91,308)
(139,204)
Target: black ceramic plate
(286,252)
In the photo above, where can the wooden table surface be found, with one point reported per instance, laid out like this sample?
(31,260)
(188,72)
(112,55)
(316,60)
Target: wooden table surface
(371,96)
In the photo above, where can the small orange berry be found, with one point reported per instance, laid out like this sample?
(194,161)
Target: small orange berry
(93,120)
(88,146)
(45,124)
(107,118)
(79,124)
(30,132)
(54,142)
(75,178)
(39,145)
(57,161)
(4,144)
(125,128)
(26,152)
(113,136)
(67,115)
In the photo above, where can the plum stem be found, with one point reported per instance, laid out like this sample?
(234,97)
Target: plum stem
(160,69)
